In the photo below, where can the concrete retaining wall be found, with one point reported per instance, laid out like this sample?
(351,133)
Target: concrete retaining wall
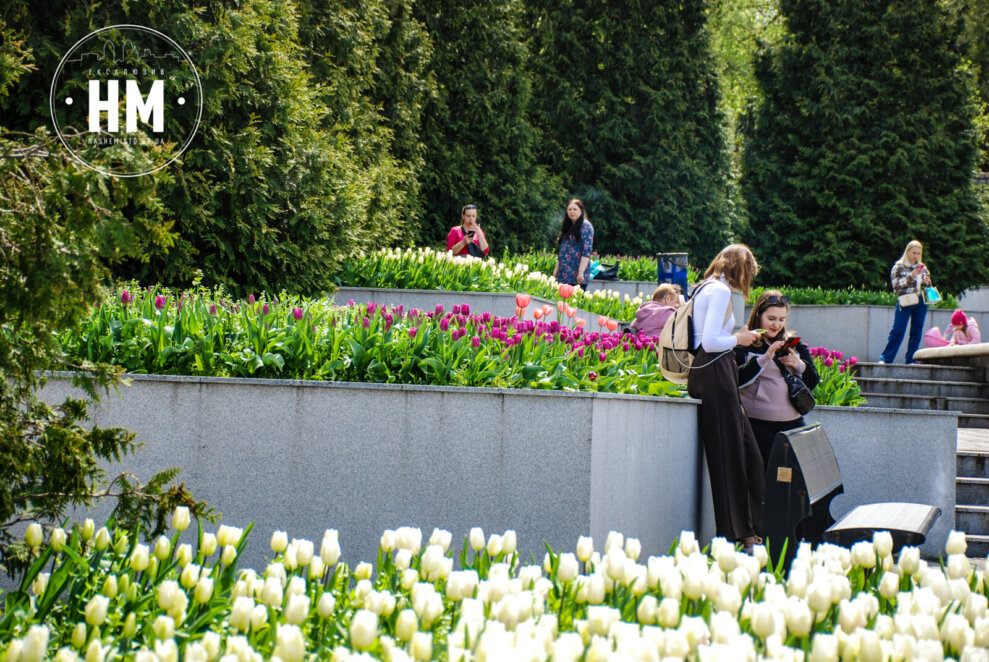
(304,456)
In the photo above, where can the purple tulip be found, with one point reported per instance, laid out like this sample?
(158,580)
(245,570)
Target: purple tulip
(350,302)
(264,309)
(251,299)
(371,307)
(602,357)
(439,309)
(456,309)
(829,362)
(592,375)
(297,313)
(126,297)
(366,322)
(852,361)
(212,310)
(160,302)
(444,324)
(389,320)
(412,332)
(475,342)
(580,352)
(465,309)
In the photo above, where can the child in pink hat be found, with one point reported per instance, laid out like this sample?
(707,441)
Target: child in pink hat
(964,329)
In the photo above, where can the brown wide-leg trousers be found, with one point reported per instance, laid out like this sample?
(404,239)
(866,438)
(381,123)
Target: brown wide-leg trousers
(733,458)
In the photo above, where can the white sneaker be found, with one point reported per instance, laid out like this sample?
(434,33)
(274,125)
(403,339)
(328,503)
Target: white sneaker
(882,362)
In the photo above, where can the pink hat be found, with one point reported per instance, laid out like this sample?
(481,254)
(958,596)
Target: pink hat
(958,318)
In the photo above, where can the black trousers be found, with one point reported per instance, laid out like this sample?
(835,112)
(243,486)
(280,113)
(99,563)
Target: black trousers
(765,432)
(733,459)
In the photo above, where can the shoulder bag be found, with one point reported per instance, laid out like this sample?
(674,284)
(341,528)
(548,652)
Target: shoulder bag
(800,396)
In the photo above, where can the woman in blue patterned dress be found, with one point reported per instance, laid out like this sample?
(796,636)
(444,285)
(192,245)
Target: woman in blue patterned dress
(576,241)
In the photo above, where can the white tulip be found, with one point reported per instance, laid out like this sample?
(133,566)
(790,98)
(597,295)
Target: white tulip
(824,648)
(327,603)
(290,645)
(688,543)
(494,545)
(102,539)
(297,609)
(329,550)
(889,585)
(34,535)
(363,629)
(477,539)
(40,583)
(409,537)
(364,570)
(180,518)
(958,566)
(406,625)
(728,598)
(567,568)
(240,613)
(164,627)
(168,594)
(403,559)
(882,541)
(167,650)
(909,561)
(204,590)
(96,610)
(956,543)
(78,637)
(279,541)
(864,554)
(614,540)
(668,615)
(95,652)
(58,539)
(189,576)
(647,610)
(441,537)
(509,542)
(799,618)
(422,646)
(139,558)
(763,619)
(207,545)
(304,551)
(272,594)
(585,547)
(851,616)
(183,554)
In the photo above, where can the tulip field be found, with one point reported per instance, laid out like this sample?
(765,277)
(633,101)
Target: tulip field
(426,269)
(101,595)
(203,333)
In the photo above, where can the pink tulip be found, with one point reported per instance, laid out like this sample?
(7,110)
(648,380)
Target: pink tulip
(612,325)
(571,311)
(580,352)
(475,342)
(366,322)
(841,368)
(519,312)
(547,310)
(602,320)
(464,309)
(537,313)
(297,313)
(412,332)
(264,309)
(456,309)
(126,297)
(444,324)
(829,362)
(212,310)
(602,357)
(371,307)
(566,291)
(592,375)
(852,361)
(580,322)
(439,309)
(522,300)
(160,302)
(559,306)
(251,299)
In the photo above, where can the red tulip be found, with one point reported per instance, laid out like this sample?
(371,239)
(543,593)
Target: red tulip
(522,300)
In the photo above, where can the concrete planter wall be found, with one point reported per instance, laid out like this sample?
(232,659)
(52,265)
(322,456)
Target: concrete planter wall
(305,456)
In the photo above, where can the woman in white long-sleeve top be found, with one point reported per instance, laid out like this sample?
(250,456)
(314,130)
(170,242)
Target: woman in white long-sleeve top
(733,458)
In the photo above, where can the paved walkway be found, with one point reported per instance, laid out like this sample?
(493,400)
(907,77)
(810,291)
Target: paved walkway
(973,439)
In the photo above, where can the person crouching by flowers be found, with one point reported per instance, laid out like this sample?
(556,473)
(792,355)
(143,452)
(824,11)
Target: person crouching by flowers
(576,243)
(964,329)
(468,237)
(761,387)
(651,316)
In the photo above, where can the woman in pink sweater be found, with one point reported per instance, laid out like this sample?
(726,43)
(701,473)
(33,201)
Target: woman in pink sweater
(964,329)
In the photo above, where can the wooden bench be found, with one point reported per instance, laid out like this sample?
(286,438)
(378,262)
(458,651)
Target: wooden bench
(802,478)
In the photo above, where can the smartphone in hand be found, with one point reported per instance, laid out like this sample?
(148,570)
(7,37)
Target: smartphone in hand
(791,342)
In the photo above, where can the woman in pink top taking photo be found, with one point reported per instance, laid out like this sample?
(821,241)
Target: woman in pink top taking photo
(468,237)
(761,386)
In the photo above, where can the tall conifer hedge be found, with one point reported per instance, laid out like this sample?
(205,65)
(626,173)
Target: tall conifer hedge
(864,141)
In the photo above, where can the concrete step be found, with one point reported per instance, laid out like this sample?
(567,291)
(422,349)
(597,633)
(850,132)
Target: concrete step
(974,421)
(971,491)
(924,402)
(970,464)
(972,520)
(969,390)
(919,372)
(978,546)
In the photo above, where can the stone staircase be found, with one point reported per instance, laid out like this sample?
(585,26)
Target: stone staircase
(945,388)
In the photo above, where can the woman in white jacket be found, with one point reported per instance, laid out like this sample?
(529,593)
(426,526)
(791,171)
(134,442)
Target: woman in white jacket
(733,458)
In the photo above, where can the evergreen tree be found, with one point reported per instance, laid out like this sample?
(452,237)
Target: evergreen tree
(628,105)
(480,144)
(863,142)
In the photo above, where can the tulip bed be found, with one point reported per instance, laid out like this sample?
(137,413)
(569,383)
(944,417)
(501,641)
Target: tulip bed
(103,595)
(426,269)
(639,268)
(201,333)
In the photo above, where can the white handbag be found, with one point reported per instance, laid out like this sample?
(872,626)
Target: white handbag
(907,300)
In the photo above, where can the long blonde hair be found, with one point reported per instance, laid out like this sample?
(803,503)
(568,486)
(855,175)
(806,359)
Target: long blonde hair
(905,258)
(737,264)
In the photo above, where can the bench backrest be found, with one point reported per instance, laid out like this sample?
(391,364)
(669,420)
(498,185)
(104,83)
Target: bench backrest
(817,461)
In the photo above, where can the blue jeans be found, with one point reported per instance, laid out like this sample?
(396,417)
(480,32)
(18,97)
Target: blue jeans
(916,316)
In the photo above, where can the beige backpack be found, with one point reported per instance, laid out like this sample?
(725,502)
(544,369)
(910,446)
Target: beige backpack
(676,341)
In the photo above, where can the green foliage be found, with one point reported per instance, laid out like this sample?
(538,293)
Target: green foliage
(816,296)
(479,140)
(863,141)
(60,224)
(973,39)
(628,109)
(837,386)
